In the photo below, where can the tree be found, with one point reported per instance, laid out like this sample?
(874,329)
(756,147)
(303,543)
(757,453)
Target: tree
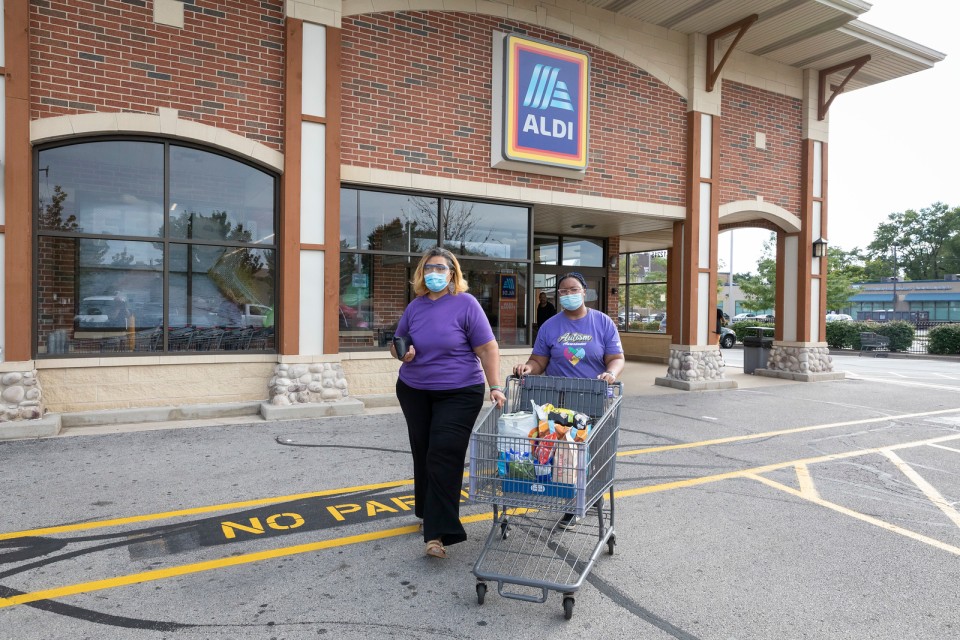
(840,278)
(924,240)
(760,289)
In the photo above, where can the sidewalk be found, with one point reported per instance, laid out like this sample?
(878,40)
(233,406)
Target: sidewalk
(637,377)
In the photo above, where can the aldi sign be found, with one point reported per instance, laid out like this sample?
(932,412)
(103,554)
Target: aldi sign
(546,101)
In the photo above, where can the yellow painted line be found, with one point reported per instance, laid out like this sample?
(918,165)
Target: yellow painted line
(83,526)
(943,546)
(171,572)
(807,487)
(928,489)
(693,482)
(86,526)
(782,432)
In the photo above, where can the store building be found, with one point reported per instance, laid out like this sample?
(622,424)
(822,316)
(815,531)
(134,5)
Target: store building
(221,201)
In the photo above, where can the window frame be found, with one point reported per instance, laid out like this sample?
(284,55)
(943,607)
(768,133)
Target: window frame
(166,241)
(627,286)
(415,256)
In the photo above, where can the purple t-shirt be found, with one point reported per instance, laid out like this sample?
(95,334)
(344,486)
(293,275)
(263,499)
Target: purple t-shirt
(576,348)
(444,333)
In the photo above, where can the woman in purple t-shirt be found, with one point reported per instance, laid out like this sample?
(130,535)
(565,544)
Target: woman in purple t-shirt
(441,389)
(578,343)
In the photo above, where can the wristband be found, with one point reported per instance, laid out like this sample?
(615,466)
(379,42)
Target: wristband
(496,387)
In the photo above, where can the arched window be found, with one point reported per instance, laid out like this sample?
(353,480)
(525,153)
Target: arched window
(147,245)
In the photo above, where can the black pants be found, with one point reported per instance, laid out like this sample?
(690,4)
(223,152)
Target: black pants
(439,425)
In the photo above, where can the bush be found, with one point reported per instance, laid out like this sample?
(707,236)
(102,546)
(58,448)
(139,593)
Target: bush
(900,333)
(740,328)
(944,339)
(844,335)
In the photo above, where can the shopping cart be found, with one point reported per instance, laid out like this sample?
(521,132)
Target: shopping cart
(529,547)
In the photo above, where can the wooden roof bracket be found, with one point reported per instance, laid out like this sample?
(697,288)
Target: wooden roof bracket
(741,27)
(823,103)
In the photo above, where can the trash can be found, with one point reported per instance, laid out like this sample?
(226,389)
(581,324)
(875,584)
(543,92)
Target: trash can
(756,352)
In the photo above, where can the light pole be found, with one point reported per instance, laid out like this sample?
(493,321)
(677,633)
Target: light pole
(895,278)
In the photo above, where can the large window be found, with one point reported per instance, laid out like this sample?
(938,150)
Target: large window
(151,246)
(383,235)
(643,291)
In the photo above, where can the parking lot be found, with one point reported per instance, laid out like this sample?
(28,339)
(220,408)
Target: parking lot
(795,510)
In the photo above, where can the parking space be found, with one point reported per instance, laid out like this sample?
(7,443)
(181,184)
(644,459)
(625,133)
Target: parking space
(775,511)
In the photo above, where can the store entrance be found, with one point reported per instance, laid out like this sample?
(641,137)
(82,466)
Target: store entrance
(554,256)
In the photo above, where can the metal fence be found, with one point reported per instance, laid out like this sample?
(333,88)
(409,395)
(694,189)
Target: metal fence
(921,335)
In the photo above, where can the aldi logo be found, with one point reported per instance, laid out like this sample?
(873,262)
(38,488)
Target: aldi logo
(546,101)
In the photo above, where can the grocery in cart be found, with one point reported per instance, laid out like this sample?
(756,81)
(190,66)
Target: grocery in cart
(544,463)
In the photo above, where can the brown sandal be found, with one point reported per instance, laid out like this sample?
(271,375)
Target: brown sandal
(435,549)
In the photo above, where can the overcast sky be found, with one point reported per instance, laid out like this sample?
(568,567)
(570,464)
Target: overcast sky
(893,146)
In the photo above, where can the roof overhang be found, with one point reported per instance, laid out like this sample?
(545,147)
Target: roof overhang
(805,34)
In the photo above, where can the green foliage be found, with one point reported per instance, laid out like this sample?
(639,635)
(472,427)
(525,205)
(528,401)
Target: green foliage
(760,288)
(644,326)
(944,339)
(924,241)
(843,335)
(740,328)
(900,333)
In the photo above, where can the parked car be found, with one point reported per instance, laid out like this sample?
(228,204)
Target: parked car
(727,338)
(765,317)
(740,317)
(102,312)
(634,317)
(663,324)
(839,317)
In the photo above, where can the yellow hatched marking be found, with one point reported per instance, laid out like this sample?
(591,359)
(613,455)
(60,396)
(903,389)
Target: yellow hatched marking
(859,516)
(928,489)
(807,488)
(160,574)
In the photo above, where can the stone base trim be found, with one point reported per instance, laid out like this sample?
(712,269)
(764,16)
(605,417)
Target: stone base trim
(688,385)
(801,377)
(21,395)
(805,360)
(295,384)
(345,407)
(44,427)
(693,364)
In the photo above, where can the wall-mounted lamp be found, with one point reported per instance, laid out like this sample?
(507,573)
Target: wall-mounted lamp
(614,291)
(820,248)
(613,262)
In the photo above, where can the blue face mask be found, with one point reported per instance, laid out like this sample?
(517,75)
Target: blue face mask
(572,302)
(436,282)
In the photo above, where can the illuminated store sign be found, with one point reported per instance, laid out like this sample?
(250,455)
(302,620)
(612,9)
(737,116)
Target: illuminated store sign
(545,103)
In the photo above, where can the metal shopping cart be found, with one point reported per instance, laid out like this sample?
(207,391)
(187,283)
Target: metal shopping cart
(529,546)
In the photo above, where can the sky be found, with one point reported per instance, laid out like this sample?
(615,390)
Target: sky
(893,146)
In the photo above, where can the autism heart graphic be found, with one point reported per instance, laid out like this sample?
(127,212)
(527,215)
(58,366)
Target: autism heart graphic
(575,354)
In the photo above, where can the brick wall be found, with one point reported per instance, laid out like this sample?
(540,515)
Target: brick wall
(416,98)
(224,68)
(745,170)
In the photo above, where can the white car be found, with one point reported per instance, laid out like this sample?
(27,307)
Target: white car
(744,316)
(839,317)
(101,312)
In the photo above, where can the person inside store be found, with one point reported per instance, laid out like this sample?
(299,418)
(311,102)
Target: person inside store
(578,343)
(545,310)
(451,351)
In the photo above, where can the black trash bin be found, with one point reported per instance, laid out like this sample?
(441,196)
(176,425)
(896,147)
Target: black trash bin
(756,352)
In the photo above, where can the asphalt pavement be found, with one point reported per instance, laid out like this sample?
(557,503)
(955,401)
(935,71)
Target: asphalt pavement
(777,510)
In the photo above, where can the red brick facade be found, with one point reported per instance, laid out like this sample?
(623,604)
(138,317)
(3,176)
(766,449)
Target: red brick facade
(224,68)
(745,170)
(416,98)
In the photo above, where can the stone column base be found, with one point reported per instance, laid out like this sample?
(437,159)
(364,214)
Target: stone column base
(695,368)
(803,362)
(309,391)
(21,395)
(44,427)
